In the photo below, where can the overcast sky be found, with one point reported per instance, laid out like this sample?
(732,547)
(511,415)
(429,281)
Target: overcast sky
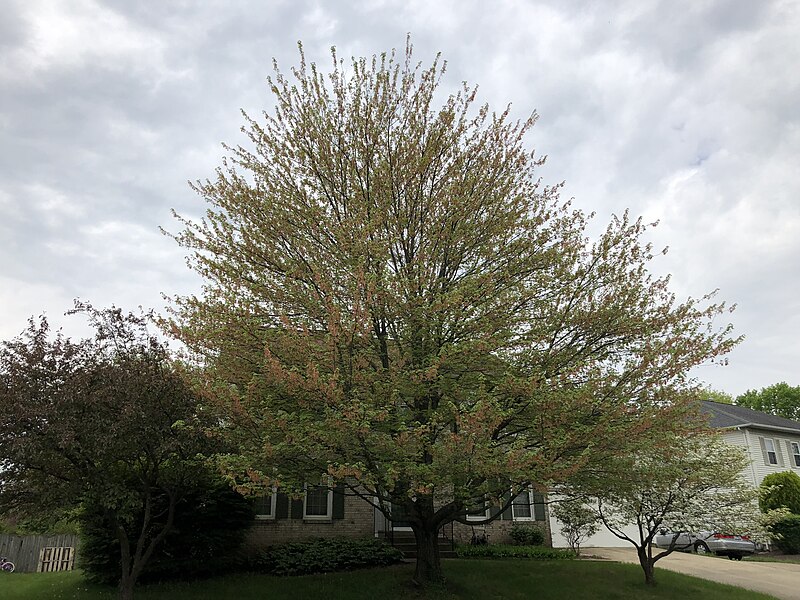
(686,112)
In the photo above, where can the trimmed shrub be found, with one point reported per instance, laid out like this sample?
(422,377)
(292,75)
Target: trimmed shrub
(525,535)
(507,551)
(325,555)
(786,534)
(780,490)
(579,522)
(209,526)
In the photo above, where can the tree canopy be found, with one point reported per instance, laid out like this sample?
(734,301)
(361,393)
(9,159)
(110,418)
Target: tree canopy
(716,396)
(688,482)
(106,422)
(392,299)
(778,399)
(780,490)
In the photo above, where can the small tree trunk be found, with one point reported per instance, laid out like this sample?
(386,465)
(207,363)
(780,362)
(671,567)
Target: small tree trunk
(125,590)
(429,565)
(127,578)
(648,566)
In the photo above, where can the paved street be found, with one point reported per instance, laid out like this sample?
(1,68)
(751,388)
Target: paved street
(781,580)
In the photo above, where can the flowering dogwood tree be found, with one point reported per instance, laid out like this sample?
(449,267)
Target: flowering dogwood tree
(682,483)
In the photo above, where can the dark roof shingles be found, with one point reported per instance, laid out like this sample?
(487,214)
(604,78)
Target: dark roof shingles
(731,415)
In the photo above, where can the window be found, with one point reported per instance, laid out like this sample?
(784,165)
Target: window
(479,511)
(265,506)
(796,453)
(769,448)
(528,506)
(521,506)
(318,503)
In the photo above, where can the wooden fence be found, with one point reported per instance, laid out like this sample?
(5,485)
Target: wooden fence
(36,553)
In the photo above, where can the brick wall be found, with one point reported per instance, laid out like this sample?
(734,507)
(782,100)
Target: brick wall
(498,531)
(358,522)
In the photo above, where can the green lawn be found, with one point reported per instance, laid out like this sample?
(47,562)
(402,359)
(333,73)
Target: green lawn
(779,558)
(478,579)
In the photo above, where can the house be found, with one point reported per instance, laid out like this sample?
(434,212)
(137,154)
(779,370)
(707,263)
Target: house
(338,512)
(772,443)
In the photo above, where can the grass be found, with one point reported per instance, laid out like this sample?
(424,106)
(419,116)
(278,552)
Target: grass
(778,558)
(468,579)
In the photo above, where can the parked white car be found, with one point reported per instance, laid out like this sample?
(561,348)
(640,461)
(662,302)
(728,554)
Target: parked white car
(722,544)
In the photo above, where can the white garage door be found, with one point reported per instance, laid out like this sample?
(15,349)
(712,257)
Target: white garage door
(602,539)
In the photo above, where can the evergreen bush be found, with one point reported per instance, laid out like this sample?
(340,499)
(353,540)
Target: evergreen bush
(780,490)
(524,535)
(786,534)
(325,556)
(209,526)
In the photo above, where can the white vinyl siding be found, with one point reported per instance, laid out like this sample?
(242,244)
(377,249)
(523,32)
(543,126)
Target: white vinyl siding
(782,441)
(753,441)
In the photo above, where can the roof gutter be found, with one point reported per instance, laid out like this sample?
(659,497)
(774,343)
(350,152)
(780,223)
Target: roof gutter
(762,426)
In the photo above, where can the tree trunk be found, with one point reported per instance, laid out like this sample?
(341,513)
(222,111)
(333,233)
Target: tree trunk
(429,565)
(127,579)
(648,566)
(125,590)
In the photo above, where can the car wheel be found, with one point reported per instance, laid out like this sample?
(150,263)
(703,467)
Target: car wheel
(701,548)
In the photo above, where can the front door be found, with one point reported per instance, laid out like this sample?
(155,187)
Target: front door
(398,523)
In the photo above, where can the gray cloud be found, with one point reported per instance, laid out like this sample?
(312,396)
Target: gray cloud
(683,114)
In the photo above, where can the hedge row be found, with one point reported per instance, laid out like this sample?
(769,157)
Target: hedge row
(787,534)
(507,551)
(324,556)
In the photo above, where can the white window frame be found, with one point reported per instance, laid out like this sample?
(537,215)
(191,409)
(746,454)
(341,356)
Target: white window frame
(272,504)
(795,446)
(479,517)
(772,455)
(328,516)
(532,515)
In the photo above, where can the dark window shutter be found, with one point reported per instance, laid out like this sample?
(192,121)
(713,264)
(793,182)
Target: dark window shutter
(538,507)
(297,508)
(507,515)
(494,511)
(338,501)
(281,506)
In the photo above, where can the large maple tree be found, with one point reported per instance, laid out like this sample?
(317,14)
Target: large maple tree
(394,301)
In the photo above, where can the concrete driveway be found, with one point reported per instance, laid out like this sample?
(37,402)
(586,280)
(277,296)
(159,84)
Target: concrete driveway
(781,580)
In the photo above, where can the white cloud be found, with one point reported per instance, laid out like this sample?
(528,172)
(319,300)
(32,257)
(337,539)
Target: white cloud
(66,35)
(685,113)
